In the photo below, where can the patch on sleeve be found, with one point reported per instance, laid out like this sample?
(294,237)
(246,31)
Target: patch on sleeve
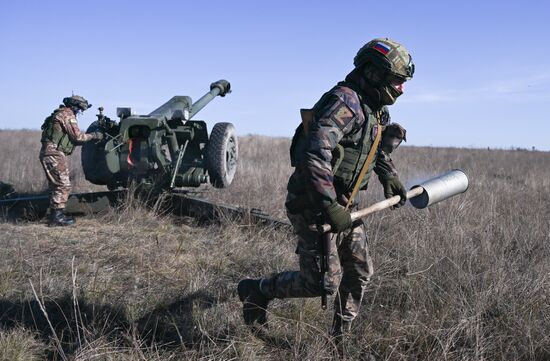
(342,115)
(65,115)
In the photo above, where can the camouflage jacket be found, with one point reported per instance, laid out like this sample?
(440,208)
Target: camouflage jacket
(63,121)
(341,120)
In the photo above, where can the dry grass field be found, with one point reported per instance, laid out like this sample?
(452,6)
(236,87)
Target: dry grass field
(468,279)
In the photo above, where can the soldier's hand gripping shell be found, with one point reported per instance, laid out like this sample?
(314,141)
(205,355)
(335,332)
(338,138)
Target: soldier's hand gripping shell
(338,217)
(392,187)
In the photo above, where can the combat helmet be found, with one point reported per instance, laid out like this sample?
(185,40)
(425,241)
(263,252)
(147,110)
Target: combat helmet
(387,65)
(76,102)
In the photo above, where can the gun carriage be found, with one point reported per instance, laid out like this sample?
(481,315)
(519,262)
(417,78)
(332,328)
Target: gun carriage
(163,149)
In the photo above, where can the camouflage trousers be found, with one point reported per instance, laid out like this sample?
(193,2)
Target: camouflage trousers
(56,167)
(349,269)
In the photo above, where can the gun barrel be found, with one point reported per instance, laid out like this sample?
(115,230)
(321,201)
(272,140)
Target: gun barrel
(176,103)
(220,87)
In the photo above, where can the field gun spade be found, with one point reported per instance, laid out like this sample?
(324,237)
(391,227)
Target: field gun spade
(163,149)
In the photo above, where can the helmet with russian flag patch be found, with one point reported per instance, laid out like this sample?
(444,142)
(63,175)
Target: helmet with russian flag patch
(387,55)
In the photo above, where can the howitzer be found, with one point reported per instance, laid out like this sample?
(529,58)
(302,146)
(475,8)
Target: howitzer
(163,149)
(420,196)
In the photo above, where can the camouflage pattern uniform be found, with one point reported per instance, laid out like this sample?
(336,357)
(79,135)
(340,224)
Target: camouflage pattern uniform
(54,160)
(328,151)
(341,118)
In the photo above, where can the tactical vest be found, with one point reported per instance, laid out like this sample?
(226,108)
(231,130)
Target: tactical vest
(349,155)
(56,135)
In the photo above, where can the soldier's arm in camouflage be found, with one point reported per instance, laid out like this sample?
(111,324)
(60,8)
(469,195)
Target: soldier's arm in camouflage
(331,123)
(384,168)
(70,127)
(392,135)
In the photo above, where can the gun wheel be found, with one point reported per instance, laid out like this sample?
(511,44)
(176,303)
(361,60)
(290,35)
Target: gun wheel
(222,155)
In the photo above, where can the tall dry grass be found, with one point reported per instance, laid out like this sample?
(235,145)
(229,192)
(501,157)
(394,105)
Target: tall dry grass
(20,165)
(468,279)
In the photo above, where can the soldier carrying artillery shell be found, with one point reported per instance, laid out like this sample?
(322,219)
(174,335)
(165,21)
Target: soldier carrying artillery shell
(347,135)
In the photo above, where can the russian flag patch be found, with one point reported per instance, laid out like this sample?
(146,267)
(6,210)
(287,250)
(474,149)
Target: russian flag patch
(381,47)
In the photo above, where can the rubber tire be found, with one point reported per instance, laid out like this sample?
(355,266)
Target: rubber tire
(222,155)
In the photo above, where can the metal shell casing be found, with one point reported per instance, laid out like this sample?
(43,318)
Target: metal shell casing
(440,188)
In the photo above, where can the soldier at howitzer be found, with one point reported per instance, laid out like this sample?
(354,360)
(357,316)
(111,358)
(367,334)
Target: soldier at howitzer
(347,135)
(60,135)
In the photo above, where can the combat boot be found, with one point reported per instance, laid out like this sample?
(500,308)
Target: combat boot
(58,218)
(69,218)
(254,301)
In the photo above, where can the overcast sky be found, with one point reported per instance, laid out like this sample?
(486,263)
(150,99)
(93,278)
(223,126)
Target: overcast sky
(482,67)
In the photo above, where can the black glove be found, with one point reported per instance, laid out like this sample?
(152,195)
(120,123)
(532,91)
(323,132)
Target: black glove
(338,217)
(393,187)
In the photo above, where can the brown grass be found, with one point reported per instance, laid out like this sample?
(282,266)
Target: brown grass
(465,280)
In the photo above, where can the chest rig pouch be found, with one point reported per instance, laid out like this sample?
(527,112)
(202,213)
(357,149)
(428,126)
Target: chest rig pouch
(352,152)
(349,155)
(52,132)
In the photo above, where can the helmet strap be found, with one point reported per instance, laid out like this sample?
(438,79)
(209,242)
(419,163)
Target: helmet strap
(388,94)
(379,80)
(370,91)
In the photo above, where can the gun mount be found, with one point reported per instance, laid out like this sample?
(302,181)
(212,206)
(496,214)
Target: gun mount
(165,148)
